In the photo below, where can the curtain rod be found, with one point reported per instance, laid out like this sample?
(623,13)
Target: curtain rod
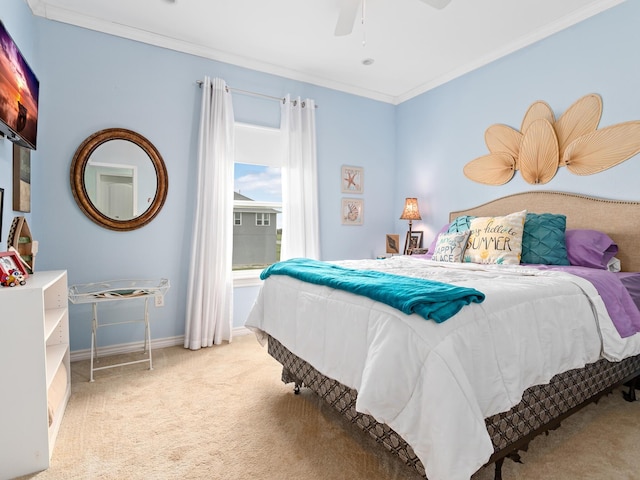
(254,94)
(246,92)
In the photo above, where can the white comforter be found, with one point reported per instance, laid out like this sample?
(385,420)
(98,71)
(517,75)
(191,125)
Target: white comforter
(435,383)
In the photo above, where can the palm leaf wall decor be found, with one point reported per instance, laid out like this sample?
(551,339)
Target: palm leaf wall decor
(539,152)
(603,149)
(537,110)
(492,169)
(543,144)
(581,118)
(503,139)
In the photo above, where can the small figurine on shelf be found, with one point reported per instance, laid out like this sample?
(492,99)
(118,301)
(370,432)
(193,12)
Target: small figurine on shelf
(12,278)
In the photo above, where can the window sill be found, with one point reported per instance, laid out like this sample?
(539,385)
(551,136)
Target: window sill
(247,278)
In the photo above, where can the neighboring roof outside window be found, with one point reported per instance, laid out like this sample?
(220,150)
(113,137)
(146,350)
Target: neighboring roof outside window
(251,209)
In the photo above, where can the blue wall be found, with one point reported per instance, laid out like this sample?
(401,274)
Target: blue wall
(91,81)
(19,22)
(443,129)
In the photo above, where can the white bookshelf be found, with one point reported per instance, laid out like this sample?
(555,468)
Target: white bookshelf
(34,339)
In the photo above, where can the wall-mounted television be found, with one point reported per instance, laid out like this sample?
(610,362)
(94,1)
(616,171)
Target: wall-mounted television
(19,90)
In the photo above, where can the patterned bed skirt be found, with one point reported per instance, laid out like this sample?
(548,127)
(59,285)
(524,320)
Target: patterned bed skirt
(542,406)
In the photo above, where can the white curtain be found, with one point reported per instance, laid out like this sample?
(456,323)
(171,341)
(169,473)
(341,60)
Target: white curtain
(210,291)
(300,232)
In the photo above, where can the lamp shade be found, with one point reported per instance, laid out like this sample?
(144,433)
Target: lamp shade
(411,211)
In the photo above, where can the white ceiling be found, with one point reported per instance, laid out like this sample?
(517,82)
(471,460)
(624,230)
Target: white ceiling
(415,47)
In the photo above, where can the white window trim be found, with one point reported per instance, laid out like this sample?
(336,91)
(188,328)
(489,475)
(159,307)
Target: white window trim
(251,152)
(234,219)
(254,203)
(246,278)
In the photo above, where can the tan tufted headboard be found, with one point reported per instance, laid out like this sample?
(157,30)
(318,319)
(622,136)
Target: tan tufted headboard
(618,219)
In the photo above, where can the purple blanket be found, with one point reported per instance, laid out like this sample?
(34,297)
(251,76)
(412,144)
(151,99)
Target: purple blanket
(621,307)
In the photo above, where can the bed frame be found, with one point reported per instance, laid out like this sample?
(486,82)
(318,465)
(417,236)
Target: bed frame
(543,407)
(618,219)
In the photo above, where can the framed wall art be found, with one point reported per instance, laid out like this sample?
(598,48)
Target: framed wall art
(21,179)
(352,211)
(393,243)
(352,179)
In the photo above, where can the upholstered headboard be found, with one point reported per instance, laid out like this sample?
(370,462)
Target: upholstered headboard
(618,219)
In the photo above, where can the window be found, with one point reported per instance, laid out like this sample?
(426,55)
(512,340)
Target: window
(263,219)
(257,195)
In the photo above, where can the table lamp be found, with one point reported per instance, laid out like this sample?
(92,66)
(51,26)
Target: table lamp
(410,213)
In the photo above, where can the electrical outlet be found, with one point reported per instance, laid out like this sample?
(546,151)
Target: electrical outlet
(159,301)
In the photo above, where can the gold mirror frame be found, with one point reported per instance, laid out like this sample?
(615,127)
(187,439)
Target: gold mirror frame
(79,163)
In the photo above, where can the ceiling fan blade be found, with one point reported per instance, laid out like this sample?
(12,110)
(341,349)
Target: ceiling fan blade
(347,17)
(439,4)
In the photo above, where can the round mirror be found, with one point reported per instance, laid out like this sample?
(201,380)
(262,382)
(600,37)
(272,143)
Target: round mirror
(119,179)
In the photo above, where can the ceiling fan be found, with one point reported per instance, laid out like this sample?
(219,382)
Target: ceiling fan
(349,11)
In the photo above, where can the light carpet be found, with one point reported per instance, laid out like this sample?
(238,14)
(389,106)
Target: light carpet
(223,413)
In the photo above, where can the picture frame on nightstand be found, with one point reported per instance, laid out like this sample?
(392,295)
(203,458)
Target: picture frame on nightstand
(413,241)
(393,243)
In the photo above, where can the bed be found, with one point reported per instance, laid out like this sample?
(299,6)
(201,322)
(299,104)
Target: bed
(448,398)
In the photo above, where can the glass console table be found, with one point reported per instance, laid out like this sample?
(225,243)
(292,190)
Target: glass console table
(119,290)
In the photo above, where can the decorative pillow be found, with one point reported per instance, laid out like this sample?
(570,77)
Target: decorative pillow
(590,248)
(496,239)
(460,224)
(543,239)
(450,247)
(432,247)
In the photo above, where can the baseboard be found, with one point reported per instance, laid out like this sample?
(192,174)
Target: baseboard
(85,354)
(241,331)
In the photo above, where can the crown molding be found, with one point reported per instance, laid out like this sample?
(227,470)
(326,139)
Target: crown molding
(42,9)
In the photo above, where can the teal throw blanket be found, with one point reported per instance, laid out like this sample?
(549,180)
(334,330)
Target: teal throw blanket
(432,300)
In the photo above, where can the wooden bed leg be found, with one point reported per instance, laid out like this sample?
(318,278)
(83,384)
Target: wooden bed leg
(498,472)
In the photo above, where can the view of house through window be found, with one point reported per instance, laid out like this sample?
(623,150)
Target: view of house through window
(257,228)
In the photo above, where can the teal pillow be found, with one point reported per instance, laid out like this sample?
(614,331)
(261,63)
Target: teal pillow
(543,239)
(460,224)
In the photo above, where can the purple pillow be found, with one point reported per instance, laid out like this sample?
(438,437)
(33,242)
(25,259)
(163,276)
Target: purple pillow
(590,248)
(432,247)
